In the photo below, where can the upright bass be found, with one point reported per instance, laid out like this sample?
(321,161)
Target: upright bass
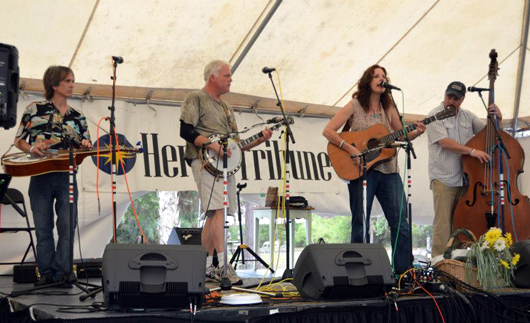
(493,199)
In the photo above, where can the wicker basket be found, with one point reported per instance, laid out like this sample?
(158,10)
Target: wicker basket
(458,270)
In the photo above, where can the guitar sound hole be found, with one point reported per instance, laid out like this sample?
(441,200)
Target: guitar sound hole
(372,143)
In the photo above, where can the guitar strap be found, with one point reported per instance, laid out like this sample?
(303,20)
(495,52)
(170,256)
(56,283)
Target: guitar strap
(230,122)
(346,126)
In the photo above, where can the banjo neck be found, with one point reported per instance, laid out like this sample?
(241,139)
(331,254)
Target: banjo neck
(248,141)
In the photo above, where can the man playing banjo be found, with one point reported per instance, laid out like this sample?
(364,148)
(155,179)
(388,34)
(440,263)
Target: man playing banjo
(205,114)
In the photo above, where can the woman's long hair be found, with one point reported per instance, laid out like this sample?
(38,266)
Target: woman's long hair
(363,90)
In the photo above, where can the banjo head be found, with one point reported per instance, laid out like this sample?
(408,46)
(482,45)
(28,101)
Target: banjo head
(215,164)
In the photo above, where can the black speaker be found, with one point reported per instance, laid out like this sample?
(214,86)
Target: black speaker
(153,276)
(521,275)
(185,236)
(9,77)
(343,271)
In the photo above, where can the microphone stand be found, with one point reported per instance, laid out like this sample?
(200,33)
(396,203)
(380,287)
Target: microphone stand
(288,273)
(113,143)
(502,148)
(112,140)
(226,284)
(409,149)
(362,155)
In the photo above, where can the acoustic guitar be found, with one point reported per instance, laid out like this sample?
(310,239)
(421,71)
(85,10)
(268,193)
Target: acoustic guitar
(23,164)
(369,139)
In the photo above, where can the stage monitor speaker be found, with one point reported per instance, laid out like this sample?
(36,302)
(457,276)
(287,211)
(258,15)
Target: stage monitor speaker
(521,275)
(153,276)
(185,236)
(9,77)
(343,271)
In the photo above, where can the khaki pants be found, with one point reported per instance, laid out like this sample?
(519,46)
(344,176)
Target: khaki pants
(445,199)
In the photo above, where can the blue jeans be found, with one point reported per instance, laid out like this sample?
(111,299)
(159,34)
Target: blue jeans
(388,188)
(46,192)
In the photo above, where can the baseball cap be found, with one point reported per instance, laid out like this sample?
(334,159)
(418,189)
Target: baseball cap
(456,88)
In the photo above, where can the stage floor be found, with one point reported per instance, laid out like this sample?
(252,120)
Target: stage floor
(59,304)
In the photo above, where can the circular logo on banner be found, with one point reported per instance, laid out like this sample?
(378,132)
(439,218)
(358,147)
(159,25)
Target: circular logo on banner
(125,156)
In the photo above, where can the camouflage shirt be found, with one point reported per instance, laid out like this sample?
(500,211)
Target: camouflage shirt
(208,116)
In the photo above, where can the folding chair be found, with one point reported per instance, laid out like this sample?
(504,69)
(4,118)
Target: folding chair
(15,198)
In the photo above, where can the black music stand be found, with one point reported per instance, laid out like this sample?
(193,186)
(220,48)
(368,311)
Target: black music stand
(242,247)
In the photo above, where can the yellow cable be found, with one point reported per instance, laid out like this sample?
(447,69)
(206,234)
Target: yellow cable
(401,276)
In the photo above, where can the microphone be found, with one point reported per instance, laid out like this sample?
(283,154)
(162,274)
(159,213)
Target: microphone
(241,186)
(477,89)
(267,70)
(275,120)
(393,144)
(387,85)
(219,138)
(118,59)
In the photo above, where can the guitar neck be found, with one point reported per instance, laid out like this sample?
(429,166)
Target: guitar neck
(395,135)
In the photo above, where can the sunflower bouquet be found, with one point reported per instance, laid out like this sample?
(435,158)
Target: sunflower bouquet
(493,260)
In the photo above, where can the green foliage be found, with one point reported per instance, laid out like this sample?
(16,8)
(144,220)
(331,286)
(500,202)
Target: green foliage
(188,206)
(420,234)
(147,210)
(381,231)
(333,230)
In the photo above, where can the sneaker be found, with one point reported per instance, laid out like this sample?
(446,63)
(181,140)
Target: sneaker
(211,274)
(231,273)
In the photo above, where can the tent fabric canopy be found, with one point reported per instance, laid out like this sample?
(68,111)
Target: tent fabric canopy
(320,48)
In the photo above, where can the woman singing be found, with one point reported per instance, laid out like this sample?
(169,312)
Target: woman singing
(371,105)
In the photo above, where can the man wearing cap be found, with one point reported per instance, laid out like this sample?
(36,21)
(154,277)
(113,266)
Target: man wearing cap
(447,139)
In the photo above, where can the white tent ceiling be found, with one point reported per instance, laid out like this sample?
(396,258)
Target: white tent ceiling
(320,48)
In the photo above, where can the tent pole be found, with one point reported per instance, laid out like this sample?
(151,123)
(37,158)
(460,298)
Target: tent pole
(255,36)
(520,68)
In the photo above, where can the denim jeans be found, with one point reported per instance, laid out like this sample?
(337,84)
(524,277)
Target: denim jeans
(388,188)
(48,192)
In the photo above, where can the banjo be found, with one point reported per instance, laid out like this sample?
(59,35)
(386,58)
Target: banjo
(214,165)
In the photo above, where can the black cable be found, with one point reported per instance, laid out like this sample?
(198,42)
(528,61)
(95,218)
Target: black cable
(494,298)
(80,252)
(211,191)
(507,306)
(456,294)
